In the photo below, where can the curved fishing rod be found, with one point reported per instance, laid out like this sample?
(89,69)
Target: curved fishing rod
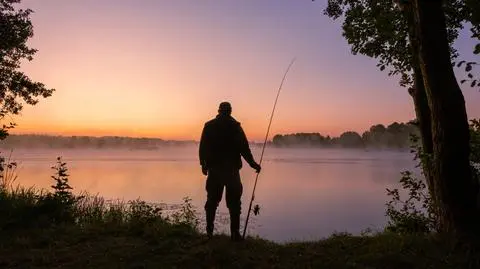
(264,144)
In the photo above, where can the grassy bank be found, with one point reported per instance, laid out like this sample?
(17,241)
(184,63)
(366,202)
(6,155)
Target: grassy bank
(57,229)
(159,245)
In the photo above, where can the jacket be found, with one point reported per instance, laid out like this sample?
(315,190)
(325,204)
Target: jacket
(223,142)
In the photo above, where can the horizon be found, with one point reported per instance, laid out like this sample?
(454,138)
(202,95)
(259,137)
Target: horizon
(270,137)
(160,69)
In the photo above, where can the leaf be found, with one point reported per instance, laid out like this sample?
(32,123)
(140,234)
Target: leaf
(256,210)
(473,83)
(477,49)
(463,81)
(382,67)
(460,63)
(468,68)
(470,75)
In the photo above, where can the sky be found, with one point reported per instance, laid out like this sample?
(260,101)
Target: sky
(158,68)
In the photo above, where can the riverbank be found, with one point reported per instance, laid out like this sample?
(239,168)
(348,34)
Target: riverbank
(46,231)
(56,229)
(177,246)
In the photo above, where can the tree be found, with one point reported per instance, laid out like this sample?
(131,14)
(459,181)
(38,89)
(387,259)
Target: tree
(417,45)
(350,139)
(16,88)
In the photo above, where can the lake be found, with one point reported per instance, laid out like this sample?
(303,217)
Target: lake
(304,194)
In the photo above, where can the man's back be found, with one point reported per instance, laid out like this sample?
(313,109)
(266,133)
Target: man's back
(223,142)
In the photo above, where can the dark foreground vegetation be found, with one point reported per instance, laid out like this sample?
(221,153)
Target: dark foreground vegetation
(138,237)
(160,245)
(57,229)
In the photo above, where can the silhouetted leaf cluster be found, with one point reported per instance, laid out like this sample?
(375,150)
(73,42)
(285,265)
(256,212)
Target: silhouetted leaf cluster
(409,218)
(16,88)
(378,29)
(471,79)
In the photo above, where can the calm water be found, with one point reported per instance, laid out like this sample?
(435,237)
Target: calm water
(304,194)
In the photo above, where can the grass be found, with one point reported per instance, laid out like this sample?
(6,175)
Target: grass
(135,234)
(158,245)
(45,229)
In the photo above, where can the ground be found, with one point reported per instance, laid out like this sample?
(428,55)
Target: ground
(167,246)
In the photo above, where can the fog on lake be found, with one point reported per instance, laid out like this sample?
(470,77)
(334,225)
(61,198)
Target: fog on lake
(304,194)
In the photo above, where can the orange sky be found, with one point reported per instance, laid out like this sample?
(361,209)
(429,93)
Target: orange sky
(160,68)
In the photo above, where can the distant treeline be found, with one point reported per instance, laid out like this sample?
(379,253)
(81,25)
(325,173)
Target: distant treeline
(106,142)
(395,135)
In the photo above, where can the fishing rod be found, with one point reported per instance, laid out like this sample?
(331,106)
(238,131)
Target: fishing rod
(264,144)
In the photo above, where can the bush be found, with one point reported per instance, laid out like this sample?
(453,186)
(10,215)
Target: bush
(187,215)
(30,208)
(416,214)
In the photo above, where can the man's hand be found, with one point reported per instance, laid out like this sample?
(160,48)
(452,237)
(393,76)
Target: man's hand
(257,167)
(204,170)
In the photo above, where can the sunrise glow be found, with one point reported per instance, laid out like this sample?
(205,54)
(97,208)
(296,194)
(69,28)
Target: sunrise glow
(160,69)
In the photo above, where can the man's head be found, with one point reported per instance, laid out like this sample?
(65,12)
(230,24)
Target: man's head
(225,109)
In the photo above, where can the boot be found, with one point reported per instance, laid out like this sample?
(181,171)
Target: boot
(210,214)
(235,227)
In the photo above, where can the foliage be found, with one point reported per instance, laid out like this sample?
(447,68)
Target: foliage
(56,142)
(187,214)
(475,140)
(416,214)
(395,135)
(62,188)
(350,139)
(471,79)
(30,208)
(141,212)
(379,29)
(62,201)
(409,218)
(7,172)
(16,88)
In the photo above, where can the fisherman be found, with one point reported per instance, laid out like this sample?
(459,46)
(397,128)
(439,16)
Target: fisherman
(223,143)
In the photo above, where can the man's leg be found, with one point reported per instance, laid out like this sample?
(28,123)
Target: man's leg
(214,190)
(233,197)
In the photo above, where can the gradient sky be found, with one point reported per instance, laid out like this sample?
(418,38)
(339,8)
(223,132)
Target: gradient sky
(159,68)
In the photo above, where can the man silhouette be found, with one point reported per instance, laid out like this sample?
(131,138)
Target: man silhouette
(222,144)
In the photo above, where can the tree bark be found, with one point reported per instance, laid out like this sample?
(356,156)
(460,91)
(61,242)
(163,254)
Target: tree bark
(455,189)
(422,110)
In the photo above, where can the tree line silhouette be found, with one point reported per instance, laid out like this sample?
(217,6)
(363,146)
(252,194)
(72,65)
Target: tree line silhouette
(15,141)
(394,136)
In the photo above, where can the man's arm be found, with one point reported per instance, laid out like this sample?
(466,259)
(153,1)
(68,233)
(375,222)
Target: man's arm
(202,151)
(245,150)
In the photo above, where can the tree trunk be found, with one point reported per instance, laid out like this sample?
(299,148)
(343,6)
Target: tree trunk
(422,110)
(455,189)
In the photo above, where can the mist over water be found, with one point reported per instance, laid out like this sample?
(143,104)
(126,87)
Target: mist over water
(304,194)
